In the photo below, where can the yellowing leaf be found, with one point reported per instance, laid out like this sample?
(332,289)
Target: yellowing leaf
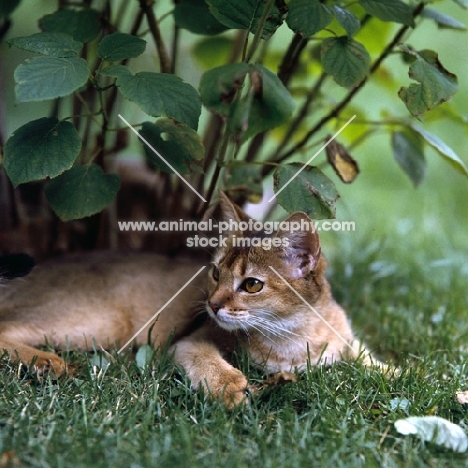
(343,163)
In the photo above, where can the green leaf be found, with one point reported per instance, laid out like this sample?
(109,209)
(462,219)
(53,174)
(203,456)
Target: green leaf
(346,60)
(52,44)
(347,20)
(120,46)
(308,16)
(239,117)
(144,356)
(177,143)
(245,179)
(408,149)
(158,94)
(245,14)
(436,84)
(99,360)
(443,149)
(219,86)
(442,20)
(272,103)
(195,16)
(311,191)
(7,7)
(389,10)
(43,78)
(81,191)
(41,148)
(266,104)
(83,25)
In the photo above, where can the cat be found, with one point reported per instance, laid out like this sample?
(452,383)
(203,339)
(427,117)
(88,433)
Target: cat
(274,303)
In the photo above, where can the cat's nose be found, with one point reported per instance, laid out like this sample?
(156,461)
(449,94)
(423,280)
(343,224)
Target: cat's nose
(215,306)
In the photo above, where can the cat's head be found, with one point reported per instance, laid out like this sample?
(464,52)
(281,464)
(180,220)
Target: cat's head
(259,281)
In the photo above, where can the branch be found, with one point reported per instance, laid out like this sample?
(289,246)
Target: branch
(304,110)
(290,60)
(285,71)
(347,99)
(164,60)
(217,171)
(4,27)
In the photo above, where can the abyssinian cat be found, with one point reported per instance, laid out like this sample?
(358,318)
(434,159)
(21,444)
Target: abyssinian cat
(274,303)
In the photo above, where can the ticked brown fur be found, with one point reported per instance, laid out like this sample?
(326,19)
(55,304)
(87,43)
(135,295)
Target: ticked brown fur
(103,299)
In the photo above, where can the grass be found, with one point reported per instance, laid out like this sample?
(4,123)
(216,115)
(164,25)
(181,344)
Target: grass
(409,307)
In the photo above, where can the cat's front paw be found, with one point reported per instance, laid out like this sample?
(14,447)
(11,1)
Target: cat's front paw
(231,388)
(44,364)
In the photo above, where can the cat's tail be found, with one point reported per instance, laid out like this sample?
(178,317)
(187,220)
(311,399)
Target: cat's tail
(360,352)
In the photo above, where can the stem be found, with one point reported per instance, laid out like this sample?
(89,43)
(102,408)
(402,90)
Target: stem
(164,60)
(258,33)
(175,48)
(311,95)
(291,58)
(212,134)
(112,99)
(347,99)
(4,27)
(218,168)
(103,136)
(285,72)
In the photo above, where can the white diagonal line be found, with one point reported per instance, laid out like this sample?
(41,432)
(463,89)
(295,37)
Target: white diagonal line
(312,158)
(153,318)
(159,154)
(337,333)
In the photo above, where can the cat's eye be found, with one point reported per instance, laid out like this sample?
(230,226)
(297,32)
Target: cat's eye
(252,285)
(215,273)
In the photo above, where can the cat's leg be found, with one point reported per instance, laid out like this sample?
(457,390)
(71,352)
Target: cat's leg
(206,368)
(43,361)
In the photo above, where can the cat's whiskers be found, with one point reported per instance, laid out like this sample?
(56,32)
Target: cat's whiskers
(259,330)
(199,309)
(272,322)
(269,329)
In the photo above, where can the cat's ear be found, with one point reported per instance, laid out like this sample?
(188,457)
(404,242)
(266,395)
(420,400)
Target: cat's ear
(231,211)
(301,245)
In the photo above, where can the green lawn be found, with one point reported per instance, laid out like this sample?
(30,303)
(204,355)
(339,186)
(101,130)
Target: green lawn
(409,306)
